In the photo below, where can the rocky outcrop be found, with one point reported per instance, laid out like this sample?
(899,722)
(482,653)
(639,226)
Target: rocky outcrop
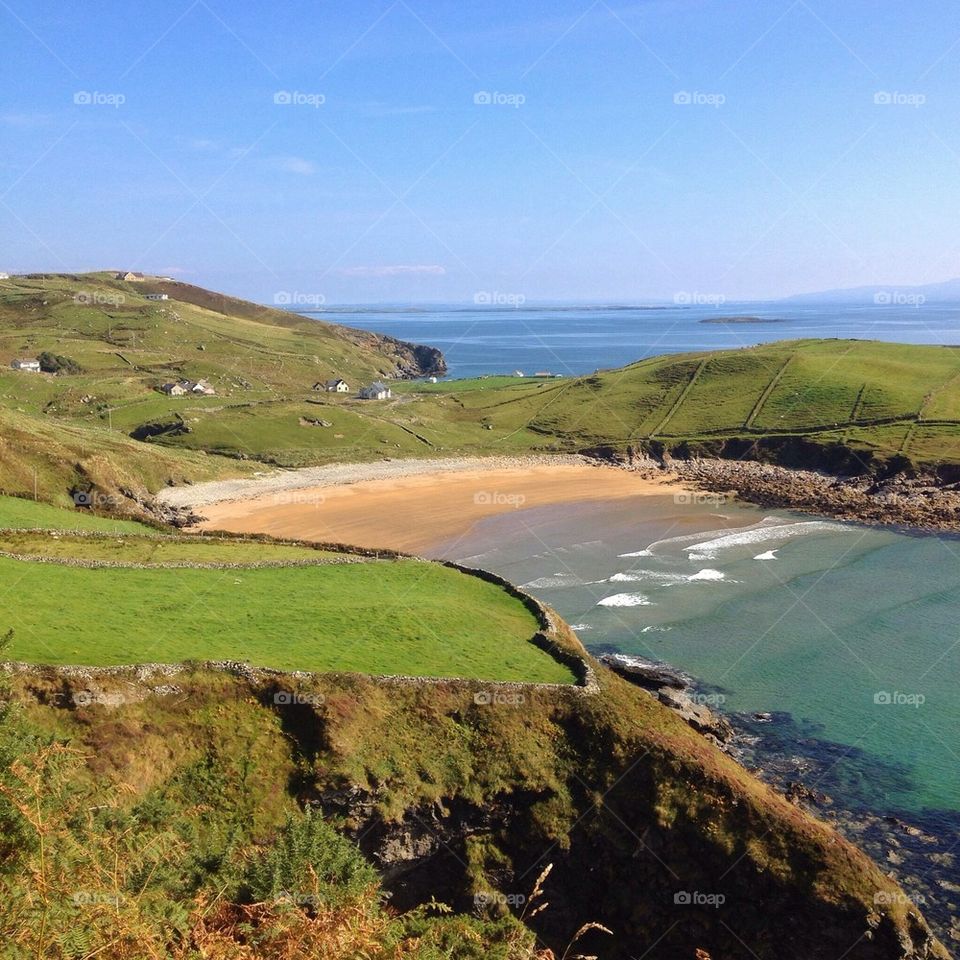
(675,691)
(901,499)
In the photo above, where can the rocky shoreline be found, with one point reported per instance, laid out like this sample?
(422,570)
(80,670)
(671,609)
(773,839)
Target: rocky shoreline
(901,500)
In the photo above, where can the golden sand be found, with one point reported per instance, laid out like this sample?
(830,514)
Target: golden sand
(419,512)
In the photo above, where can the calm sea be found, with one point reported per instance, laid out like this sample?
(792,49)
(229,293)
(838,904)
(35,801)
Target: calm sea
(580,339)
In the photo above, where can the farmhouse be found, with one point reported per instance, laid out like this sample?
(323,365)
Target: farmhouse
(130,275)
(333,386)
(181,388)
(157,296)
(27,366)
(376,391)
(173,389)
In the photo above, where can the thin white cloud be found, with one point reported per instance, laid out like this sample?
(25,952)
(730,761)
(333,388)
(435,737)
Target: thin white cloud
(297,165)
(394,270)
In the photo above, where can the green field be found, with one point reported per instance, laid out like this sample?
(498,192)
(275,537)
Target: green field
(20,514)
(376,617)
(108,429)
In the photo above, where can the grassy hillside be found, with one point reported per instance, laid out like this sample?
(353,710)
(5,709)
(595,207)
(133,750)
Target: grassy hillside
(269,604)
(859,404)
(180,817)
(115,347)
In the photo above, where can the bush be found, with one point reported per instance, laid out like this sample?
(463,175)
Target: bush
(309,864)
(53,363)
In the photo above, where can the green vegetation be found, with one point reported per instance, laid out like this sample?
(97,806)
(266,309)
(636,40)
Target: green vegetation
(20,514)
(856,404)
(163,818)
(377,616)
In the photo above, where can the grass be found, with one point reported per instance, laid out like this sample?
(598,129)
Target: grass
(59,433)
(19,514)
(378,617)
(156,550)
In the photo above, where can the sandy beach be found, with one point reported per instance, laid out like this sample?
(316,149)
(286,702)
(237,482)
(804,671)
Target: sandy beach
(404,505)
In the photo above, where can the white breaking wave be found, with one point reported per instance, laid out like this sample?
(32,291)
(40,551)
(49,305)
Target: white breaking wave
(708,534)
(556,580)
(664,579)
(751,536)
(580,626)
(655,629)
(625,600)
(636,553)
(769,555)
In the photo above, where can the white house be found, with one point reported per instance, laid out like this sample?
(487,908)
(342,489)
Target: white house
(4,276)
(181,388)
(157,296)
(336,386)
(130,275)
(376,391)
(174,389)
(519,373)
(431,379)
(27,366)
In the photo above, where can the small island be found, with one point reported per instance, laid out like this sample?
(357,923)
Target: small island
(743,320)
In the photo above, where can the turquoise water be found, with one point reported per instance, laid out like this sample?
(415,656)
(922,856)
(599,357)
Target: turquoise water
(854,632)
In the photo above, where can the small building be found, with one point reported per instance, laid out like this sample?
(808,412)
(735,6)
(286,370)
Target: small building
(519,373)
(333,386)
(157,296)
(173,389)
(130,276)
(200,387)
(431,379)
(543,373)
(26,366)
(4,276)
(376,391)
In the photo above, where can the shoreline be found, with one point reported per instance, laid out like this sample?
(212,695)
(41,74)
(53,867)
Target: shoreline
(913,504)
(412,506)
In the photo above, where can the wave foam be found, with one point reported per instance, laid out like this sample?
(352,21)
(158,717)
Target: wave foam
(625,600)
(751,536)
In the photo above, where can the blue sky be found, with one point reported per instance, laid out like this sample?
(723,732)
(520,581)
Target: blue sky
(617,152)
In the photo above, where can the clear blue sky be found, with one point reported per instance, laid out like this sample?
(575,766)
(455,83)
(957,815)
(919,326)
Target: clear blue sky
(583,178)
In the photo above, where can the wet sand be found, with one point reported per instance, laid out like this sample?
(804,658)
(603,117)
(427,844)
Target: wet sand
(416,513)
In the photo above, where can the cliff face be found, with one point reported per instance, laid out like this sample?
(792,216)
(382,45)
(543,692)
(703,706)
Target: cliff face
(466,794)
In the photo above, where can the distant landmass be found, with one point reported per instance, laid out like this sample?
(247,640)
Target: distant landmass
(947,291)
(743,320)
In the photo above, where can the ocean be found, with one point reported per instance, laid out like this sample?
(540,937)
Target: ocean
(577,339)
(833,647)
